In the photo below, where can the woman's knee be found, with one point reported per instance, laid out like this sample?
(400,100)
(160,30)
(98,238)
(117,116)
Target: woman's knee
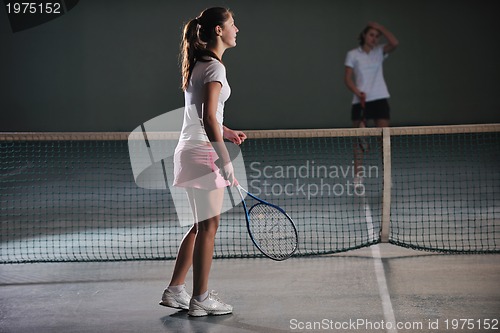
(209,226)
(382,122)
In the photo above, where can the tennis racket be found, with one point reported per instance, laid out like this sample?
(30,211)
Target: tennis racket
(363,143)
(271,229)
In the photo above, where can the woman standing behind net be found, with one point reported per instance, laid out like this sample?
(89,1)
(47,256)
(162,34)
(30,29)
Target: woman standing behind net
(365,78)
(205,39)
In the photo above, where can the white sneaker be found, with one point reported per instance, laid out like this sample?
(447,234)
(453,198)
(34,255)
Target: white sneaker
(178,300)
(212,305)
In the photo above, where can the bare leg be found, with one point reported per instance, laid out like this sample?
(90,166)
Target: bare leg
(208,204)
(184,258)
(358,152)
(382,122)
(203,253)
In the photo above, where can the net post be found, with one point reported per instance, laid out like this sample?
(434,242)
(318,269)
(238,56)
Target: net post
(386,201)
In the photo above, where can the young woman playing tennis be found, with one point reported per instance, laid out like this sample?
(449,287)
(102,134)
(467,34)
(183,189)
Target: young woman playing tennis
(205,39)
(365,78)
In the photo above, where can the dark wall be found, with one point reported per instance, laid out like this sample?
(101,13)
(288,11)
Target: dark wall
(110,65)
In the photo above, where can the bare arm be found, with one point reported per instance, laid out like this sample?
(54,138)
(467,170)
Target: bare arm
(212,92)
(392,41)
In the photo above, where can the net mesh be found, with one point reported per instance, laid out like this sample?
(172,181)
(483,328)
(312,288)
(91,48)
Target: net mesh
(73,197)
(446,193)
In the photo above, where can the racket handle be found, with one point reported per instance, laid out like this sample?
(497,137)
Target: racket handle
(230,195)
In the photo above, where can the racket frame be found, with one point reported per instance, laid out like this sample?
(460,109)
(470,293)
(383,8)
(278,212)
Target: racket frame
(247,217)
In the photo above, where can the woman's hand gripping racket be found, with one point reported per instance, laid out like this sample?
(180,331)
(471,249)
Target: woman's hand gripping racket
(271,229)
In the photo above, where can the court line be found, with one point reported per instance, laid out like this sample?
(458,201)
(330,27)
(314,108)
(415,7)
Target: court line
(380,274)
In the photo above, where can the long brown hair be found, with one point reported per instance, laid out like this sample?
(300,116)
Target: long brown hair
(197,33)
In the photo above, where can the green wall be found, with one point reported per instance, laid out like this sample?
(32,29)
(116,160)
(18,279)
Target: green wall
(110,65)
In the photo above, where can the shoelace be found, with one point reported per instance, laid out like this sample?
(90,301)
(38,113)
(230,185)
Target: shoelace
(215,296)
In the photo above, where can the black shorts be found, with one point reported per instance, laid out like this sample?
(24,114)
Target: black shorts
(377,109)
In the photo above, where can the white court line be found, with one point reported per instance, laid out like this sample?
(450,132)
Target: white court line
(380,274)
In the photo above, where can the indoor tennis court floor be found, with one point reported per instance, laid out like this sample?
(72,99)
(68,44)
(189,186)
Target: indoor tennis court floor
(358,291)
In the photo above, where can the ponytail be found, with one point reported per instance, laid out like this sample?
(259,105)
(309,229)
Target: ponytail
(190,43)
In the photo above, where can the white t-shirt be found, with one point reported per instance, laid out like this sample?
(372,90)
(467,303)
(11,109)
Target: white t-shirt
(203,72)
(368,72)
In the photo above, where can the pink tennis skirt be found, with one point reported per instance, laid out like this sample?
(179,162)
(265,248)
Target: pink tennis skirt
(194,167)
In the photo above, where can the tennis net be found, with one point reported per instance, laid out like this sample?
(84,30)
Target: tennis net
(73,197)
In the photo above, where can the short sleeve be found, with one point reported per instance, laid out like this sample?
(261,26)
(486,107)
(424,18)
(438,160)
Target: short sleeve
(381,51)
(349,59)
(216,72)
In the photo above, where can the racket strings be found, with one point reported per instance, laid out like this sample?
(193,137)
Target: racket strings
(272,230)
